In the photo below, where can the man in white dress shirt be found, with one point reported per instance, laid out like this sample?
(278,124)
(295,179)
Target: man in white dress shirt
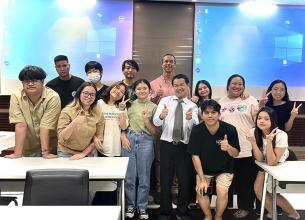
(174,139)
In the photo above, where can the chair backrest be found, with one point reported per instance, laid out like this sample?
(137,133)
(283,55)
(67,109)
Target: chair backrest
(292,156)
(56,187)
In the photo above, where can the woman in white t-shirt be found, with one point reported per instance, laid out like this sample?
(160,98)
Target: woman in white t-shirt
(270,144)
(113,106)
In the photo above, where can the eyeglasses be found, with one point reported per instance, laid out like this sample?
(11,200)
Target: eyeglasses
(87,95)
(28,82)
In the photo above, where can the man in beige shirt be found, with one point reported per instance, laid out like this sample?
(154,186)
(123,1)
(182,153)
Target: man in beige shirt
(34,110)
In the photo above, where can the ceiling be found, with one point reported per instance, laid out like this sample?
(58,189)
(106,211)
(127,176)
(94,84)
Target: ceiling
(282,2)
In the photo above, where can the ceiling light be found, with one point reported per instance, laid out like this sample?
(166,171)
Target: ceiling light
(258,8)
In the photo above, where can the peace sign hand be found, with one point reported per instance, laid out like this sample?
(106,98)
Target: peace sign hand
(122,104)
(295,110)
(270,137)
(264,99)
(145,113)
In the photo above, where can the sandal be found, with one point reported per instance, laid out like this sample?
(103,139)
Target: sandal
(240,213)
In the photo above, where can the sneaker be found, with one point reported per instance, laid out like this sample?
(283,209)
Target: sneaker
(143,214)
(193,206)
(130,213)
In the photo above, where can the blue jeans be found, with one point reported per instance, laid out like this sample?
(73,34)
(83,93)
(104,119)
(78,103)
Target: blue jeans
(140,160)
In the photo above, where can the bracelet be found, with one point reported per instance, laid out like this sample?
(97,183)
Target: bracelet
(44,152)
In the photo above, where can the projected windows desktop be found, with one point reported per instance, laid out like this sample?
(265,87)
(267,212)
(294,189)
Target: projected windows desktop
(261,48)
(35,31)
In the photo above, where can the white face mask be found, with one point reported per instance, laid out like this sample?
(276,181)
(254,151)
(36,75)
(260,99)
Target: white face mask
(94,77)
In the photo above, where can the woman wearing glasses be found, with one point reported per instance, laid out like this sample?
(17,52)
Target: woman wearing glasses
(80,125)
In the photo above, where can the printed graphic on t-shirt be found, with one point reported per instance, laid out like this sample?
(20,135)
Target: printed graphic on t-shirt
(111,115)
(234,107)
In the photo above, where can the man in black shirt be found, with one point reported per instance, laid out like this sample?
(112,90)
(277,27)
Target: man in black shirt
(130,68)
(65,84)
(213,145)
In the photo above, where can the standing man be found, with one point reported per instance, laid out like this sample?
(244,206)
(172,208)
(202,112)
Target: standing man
(65,84)
(94,71)
(213,145)
(177,115)
(130,68)
(34,110)
(162,86)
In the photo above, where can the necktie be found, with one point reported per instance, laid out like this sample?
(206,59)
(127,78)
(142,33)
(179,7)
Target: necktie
(178,123)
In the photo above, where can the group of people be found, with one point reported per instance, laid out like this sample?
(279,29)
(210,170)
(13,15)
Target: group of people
(159,121)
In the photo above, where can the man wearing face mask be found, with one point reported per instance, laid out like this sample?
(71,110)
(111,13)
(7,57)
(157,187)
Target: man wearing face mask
(94,71)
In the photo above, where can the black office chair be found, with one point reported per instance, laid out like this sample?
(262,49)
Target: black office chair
(6,200)
(56,187)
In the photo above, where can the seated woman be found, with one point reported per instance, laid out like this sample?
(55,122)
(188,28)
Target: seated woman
(270,144)
(80,125)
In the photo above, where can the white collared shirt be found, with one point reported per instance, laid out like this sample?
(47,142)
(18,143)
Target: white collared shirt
(168,123)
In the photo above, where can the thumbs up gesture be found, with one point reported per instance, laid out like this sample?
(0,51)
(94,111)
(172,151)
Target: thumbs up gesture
(80,118)
(224,144)
(164,112)
(160,91)
(189,114)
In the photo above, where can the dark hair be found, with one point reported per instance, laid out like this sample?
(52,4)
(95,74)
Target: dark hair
(93,65)
(132,63)
(80,89)
(258,133)
(135,84)
(60,58)
(233,76)
(197,93)
(169,54)
(32,72)
(181,76)
(270,98)
(210,103)
(106,95)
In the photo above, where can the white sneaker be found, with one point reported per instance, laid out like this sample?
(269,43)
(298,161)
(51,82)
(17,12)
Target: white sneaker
(143,214)
(130,213)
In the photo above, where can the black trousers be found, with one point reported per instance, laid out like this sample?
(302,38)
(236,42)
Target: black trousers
(174,158)
(245,171)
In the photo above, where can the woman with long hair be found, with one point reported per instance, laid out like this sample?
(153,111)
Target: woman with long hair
(279,101)
(80,125)
(203,91)
(113,106)
(270,144)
